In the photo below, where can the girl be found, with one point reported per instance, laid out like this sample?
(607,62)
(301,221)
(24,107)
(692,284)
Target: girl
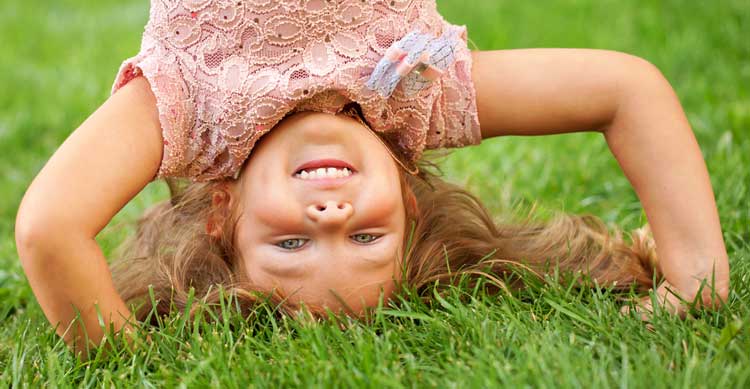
(333,207)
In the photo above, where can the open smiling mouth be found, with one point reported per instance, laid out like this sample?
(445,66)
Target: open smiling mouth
(324,169)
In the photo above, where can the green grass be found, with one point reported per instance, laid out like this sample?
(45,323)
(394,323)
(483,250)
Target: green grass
(58,63)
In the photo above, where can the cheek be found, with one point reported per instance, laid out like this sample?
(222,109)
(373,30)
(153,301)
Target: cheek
(266,213)
(267,199)
(275,213)
(383,196)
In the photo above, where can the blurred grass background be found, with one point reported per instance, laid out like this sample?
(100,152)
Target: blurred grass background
(58,64)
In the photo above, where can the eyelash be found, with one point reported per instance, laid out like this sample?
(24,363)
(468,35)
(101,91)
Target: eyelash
(304,241)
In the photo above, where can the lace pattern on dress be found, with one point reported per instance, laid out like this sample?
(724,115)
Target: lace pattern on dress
(225,72)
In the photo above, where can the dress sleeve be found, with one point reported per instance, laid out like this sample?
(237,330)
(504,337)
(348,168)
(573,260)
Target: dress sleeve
(454,121)
(173,99)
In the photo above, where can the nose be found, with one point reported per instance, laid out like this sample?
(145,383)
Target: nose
(330,213)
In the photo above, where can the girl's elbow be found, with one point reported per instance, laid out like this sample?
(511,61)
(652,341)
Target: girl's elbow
(640,92)
(32,233)
(642,80)
(29,236)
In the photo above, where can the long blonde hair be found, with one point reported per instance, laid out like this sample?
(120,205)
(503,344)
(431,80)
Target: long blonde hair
(452,236)
(455,236)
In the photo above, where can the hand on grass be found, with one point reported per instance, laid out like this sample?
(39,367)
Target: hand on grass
(710,293)
(670,299)
(665,297)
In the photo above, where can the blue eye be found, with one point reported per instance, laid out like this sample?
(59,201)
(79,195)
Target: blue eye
(291,244)
(364,238)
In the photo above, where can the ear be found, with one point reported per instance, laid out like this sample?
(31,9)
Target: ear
(221,201)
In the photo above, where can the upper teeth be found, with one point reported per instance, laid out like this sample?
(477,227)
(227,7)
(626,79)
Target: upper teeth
(322,172)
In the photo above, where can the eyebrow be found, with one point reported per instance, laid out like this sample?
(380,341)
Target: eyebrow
(297,271)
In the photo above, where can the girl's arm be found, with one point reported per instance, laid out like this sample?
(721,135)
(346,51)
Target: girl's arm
(96,171)
(549,91)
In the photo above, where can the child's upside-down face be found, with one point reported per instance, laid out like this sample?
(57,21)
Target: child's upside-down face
(327,240)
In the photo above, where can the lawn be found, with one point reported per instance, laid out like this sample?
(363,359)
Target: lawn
(58,63)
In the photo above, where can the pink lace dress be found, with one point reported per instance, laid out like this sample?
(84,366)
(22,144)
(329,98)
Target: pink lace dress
(225,72)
